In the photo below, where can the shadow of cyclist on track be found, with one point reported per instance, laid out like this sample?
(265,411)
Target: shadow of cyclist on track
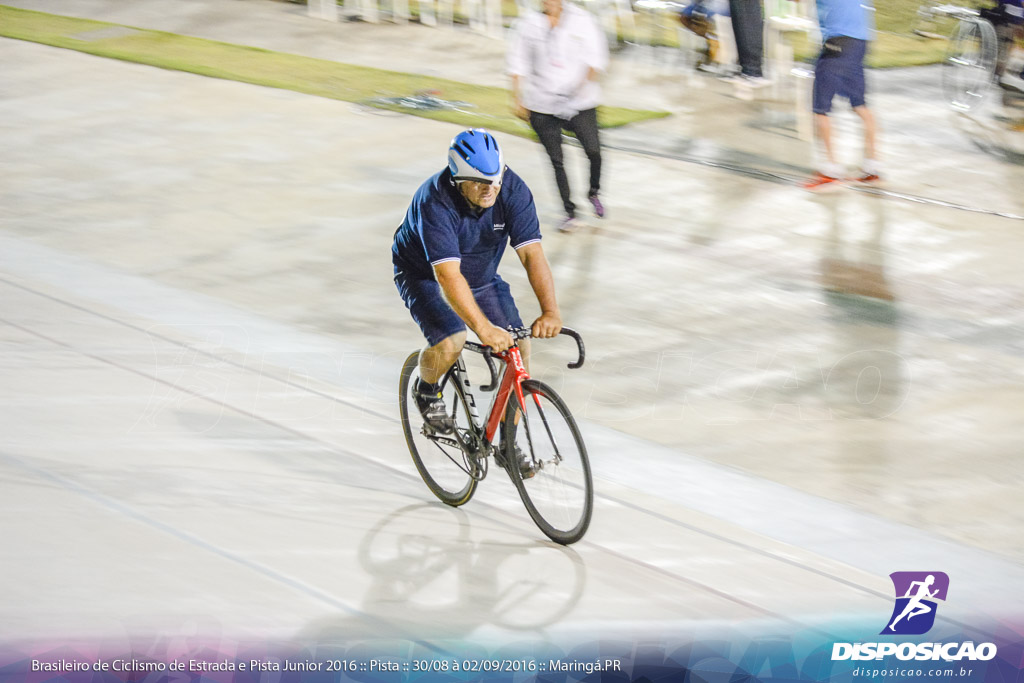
(431,579)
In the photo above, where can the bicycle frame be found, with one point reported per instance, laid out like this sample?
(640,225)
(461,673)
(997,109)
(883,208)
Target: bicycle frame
(512,379)
(515,373)
(524,441)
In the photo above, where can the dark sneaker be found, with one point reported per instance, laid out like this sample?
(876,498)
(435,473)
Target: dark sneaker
(431,407)
(526,469)
(598,206)
(754,81)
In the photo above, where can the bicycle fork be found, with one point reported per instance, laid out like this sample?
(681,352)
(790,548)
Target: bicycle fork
(512,381)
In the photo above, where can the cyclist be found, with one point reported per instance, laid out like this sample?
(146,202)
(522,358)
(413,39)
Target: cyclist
(446,256)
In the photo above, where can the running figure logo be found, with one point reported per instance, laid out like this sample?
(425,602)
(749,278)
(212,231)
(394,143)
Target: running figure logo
(916,593)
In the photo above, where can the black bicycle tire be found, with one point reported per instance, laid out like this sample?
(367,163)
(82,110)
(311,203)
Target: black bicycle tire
(453,498)
(512,467)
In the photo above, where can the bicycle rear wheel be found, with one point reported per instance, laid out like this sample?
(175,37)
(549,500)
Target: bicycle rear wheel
(970,63)
(446,468)
(559,496)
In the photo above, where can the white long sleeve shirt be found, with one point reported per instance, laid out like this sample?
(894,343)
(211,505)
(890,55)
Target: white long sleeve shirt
(554,62)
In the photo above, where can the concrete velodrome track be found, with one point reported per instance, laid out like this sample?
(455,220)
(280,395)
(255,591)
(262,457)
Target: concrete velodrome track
(786,399)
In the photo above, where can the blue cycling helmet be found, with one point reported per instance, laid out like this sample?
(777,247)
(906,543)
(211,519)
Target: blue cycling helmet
(474,155)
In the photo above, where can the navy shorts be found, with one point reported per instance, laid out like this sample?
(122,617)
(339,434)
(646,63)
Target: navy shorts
(436,318)
(839,71)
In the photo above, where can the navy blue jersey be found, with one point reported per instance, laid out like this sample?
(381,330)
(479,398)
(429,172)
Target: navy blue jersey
(1012,12)
(441,225)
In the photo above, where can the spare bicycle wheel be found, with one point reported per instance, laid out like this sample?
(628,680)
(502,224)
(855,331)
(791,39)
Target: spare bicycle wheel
(970,63)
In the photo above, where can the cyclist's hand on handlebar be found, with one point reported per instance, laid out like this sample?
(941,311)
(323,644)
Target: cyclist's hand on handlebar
(498,339)
(547,325)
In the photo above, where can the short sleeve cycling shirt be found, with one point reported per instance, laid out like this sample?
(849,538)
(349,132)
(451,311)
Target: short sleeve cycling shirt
(441,225)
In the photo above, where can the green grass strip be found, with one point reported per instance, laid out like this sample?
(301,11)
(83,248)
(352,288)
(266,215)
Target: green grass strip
(488,106)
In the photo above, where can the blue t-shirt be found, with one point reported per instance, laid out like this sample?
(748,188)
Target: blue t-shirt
(441,225)
(851,18)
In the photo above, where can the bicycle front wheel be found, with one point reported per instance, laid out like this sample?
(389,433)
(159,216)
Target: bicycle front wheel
(970,63)
(445,467)
(559,495)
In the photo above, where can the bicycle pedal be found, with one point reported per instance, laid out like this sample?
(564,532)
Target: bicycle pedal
(430,431)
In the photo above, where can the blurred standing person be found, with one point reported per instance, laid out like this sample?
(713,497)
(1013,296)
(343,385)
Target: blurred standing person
(555,59)
(846,28)
(748,31)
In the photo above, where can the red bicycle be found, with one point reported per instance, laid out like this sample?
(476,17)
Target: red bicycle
(539,443)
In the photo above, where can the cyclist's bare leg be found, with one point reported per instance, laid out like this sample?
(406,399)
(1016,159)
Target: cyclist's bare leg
(823,128)
(870,130)
(435,360)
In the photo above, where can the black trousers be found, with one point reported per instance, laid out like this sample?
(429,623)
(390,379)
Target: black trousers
(584,126)
(748,28)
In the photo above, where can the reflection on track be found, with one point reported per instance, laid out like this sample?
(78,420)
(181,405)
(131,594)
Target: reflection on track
(780,178)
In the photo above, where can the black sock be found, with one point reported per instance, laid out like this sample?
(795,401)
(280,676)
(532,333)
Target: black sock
(429,389)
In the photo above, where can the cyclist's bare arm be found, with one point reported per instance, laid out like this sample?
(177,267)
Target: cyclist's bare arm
(549,324)
(459,296)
